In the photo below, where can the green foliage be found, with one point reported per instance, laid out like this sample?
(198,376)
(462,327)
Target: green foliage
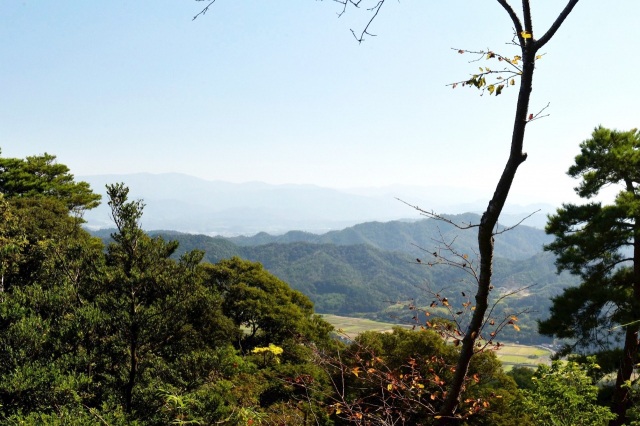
(601,244)
(42,176)
(268,308)
(360,280)
(132,335)
(523,377)
(141,332)
(564,394)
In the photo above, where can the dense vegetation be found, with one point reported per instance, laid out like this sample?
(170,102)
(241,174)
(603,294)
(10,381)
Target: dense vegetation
(374,278)
(140,331)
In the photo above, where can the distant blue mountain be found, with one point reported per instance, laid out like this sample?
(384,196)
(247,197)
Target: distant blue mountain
(189,204)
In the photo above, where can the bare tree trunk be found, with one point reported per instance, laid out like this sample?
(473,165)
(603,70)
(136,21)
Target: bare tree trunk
(530,47)
(485,236)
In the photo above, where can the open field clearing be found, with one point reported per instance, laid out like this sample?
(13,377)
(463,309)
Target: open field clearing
(354,326)
(521,355)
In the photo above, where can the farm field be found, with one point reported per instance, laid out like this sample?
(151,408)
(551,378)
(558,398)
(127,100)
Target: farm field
(351,327)
(523,356)
(509,354)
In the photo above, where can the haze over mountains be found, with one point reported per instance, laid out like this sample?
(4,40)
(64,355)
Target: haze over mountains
(188,204)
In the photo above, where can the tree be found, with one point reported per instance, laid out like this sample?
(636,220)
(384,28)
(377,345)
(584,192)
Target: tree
(564,394)
(601,244)
(49,265)
(269,309)
(149,296)
(42,176)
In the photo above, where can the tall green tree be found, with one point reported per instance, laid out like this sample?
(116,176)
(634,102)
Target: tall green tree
(264,305)
(43,176)
(49,266)
(601,244)
(149,296)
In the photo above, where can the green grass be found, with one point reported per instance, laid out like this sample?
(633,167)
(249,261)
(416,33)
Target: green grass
(510,355)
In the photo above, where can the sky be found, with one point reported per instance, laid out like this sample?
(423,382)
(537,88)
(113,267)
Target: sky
(281,92)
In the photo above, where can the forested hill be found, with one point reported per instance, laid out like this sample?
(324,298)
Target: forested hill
(371,269)
(520,242)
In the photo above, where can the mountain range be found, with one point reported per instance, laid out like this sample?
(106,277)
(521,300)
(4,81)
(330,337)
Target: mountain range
(189,204)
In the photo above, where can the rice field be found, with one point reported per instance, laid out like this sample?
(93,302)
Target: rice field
(523,356)
(351,327)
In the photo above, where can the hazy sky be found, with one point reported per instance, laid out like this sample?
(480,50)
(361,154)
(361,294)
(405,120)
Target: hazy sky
(280,92)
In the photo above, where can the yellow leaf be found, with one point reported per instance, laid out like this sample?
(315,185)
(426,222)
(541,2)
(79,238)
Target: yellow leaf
(389,387)
(356,371)
(516,327)
(513,81)
(526,34)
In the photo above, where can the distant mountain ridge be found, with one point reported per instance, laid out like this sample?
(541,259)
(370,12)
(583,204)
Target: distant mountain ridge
(414,237)
(189,204)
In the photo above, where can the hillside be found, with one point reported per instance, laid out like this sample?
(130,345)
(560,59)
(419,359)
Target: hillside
(370,270)
(412,236)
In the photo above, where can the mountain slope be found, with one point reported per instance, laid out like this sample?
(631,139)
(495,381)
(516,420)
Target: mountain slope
(415,237)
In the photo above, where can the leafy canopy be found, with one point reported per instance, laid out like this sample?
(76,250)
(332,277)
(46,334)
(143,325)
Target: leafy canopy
(43,176)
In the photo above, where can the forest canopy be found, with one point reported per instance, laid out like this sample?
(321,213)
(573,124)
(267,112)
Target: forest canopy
(130,332)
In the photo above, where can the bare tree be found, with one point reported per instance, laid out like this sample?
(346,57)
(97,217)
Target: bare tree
(530,45)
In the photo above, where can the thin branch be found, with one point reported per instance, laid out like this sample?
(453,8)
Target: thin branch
(366,28)
(556,25)
(500,299)
(204,11)
(537,115)
(514,18)
(433,215)
(509,228)
(356,3)
(483,53)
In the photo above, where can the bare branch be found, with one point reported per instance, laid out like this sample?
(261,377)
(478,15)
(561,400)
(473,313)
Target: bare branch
(514,18)
(509,228)
(204,11)
(433,215)
(356,3)
(556,25)
(537,115)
